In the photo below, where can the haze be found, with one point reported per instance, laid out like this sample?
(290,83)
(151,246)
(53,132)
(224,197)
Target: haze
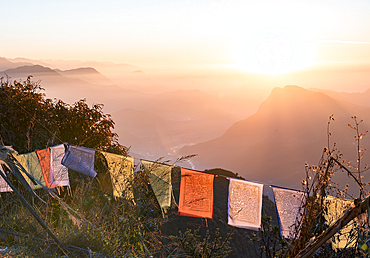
(175,74)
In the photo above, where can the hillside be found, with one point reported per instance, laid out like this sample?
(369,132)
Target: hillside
(288,129)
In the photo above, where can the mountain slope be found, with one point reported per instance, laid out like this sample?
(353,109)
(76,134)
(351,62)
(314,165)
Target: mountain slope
(88,74)
(288,129)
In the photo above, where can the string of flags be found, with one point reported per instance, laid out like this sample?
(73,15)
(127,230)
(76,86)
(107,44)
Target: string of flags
(196,199)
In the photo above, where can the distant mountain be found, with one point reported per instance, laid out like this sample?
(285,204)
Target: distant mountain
(49,78)
(6,64)
(26,70)
(348,78)
(289,128)
(69,89)
(120,74)
(73,64)
(138,71)
(20,61)
(88,74)
(358,98)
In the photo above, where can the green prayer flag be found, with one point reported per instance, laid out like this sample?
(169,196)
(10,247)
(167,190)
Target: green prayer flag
(160,180)
(30,162)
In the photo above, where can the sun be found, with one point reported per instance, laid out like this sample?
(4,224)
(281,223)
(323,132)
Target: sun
(274,53)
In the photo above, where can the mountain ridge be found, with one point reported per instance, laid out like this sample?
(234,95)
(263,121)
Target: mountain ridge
(288,129)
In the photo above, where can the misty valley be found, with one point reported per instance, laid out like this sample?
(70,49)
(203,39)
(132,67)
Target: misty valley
(264,135)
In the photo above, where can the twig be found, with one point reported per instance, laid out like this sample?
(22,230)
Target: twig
(349,173)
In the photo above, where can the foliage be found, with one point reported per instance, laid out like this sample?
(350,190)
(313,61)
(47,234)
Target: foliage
(29,121)
(192,246)
(267,242)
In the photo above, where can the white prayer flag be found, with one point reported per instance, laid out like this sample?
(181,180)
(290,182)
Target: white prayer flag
(59,173)
(289,205)
(245,204)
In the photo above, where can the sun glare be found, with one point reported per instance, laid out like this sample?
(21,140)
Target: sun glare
(274,53)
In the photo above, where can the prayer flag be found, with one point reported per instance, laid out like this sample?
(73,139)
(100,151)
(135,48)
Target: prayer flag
(196,194)
(59,172)
(335,209)
(45,163)
(22,162)
(289,205)
(121,172)
(160,181)
(31,165)
(245,204)
(80,159)
(34,168)
(4,187)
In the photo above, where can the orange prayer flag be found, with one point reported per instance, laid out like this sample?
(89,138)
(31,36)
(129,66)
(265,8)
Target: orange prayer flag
(196,194)
(44,158)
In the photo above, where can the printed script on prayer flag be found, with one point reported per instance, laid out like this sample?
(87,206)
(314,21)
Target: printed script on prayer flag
(245,204)
(196,194)
(289,208)
(59,172)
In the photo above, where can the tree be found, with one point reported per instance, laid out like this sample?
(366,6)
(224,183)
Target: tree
(29,121)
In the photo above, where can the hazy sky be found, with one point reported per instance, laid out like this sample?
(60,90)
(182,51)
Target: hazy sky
(262,36)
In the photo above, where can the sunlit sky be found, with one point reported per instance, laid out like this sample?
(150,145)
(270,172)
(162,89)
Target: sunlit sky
(257,36)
